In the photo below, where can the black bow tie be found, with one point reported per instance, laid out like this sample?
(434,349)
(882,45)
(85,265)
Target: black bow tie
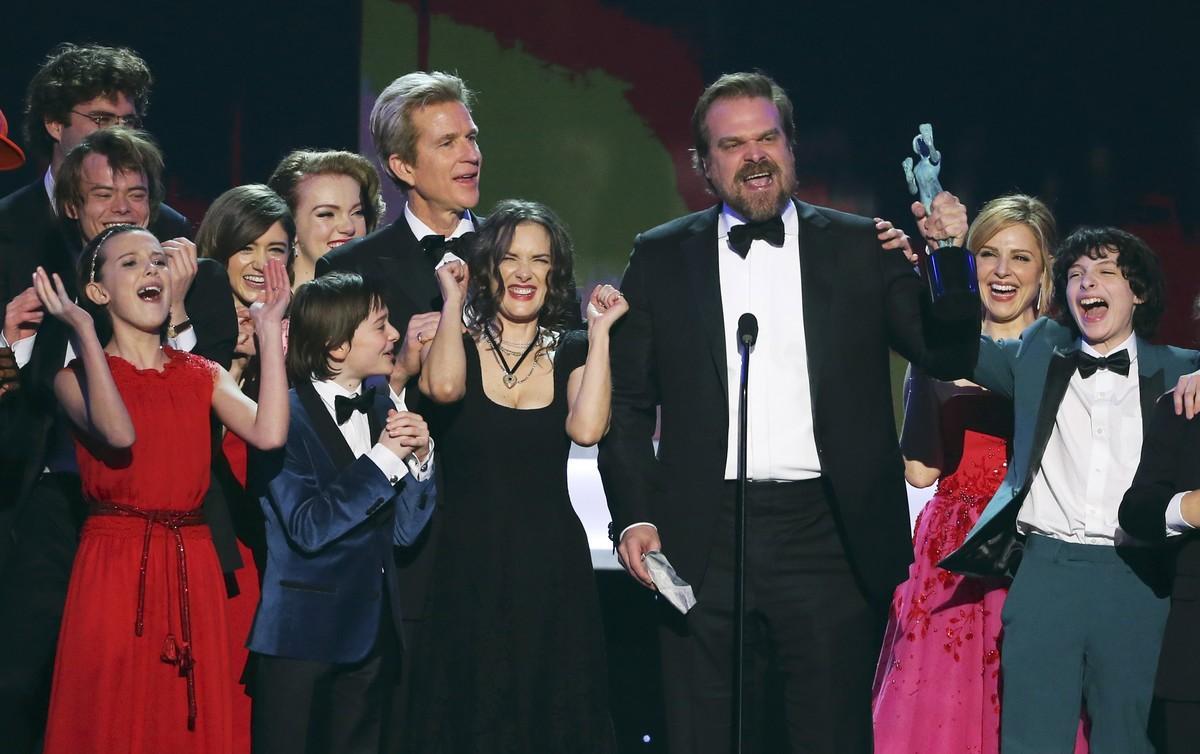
(437,246)
(741,236)
(344,407)
(1117,362)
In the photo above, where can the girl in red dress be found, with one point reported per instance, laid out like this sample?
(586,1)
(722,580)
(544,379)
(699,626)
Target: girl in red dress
(143,659)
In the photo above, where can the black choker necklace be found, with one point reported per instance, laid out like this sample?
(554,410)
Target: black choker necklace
(509,379)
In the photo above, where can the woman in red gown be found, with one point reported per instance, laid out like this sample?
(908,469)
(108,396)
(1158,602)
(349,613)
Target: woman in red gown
(143,661)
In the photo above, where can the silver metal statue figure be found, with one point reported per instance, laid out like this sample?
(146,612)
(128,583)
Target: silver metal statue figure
(923,177)
(949,271)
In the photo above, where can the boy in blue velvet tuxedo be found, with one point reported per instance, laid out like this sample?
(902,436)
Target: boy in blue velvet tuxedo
(353,481)
(1085,615)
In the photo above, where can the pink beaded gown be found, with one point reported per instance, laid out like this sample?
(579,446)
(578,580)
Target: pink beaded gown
(937,687)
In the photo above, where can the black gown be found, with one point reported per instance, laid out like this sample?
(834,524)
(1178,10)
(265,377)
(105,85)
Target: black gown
(516,657)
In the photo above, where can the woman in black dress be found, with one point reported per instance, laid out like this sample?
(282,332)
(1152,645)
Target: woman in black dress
(517,656)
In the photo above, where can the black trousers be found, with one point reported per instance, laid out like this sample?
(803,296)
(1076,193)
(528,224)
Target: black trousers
(812,639)
(309,707)
(1175,726)
(33,591)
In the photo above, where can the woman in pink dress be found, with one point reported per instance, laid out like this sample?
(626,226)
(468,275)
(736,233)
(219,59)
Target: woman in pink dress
(937,685)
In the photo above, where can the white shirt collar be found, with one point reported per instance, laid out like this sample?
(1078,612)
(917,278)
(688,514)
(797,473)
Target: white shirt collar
(329,390)
(1130,344)
(730,218)
(420,229)
(48,182)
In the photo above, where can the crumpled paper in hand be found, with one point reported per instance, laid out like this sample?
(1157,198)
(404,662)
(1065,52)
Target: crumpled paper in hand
(677,591)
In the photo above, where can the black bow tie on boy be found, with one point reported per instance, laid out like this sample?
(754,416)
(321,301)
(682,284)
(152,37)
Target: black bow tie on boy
(437,246)
(1117,362)
(741,236)
(344,407)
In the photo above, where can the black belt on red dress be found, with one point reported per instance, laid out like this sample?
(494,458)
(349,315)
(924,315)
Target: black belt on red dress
(173,652)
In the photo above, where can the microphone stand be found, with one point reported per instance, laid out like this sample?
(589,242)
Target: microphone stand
(745,340)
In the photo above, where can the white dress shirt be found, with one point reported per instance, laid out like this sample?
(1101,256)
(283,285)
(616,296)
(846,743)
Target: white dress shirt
(420,229)
(781,441)
(1090,459)
(781,444)
(357,431)
(48,182)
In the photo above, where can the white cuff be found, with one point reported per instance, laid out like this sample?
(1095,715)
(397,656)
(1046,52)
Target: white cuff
(639,523)
(1176,523)
(22,350)
(392,466)
(185,341)
(421,470)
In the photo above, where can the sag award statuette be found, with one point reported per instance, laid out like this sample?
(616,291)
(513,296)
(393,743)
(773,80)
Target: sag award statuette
(950,270)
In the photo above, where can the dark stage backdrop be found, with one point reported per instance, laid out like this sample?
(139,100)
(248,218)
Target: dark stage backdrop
(584,104)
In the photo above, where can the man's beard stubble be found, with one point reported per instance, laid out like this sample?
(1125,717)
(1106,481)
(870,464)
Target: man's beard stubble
(759,206)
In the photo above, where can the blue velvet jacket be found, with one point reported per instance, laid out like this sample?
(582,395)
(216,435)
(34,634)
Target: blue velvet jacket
(331,524)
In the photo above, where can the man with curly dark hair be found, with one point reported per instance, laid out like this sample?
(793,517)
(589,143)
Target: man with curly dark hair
(78,89)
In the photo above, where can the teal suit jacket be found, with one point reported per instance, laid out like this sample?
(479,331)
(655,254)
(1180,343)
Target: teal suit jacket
(1034,372)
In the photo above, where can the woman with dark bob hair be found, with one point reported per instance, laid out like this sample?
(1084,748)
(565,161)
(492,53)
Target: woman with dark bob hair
(334,197)
(515,658)
(245,229)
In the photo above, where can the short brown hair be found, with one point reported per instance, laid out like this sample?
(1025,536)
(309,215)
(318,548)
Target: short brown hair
(77,73)
(240,215)
(324,314)
(126,150)
(733,86)
(302,163)
(392,129)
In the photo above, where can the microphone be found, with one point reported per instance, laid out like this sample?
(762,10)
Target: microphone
(747,331)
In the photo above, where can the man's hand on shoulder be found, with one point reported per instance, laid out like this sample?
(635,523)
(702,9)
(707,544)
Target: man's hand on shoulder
(1187,395)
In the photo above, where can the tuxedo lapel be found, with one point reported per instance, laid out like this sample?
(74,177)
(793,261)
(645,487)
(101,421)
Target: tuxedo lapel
(404,265)
(1151,382)
(818,271)
(323,424)
(700,252)
(1058,377)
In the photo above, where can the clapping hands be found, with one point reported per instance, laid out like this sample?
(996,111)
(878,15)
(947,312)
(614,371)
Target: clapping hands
(57,302)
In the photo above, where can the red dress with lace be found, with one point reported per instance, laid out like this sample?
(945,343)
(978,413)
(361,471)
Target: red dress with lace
(143,660)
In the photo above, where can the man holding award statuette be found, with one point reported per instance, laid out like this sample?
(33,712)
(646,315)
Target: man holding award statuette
(827,531)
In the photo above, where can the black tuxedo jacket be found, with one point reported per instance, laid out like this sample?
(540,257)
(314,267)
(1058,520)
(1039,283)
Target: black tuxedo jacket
(393,258)
(668,353)
(1171,464)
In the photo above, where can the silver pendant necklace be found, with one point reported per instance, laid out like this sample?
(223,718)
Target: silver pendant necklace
(509,378)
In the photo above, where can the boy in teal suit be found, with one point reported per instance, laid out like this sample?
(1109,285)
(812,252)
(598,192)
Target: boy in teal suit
(1085,614)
